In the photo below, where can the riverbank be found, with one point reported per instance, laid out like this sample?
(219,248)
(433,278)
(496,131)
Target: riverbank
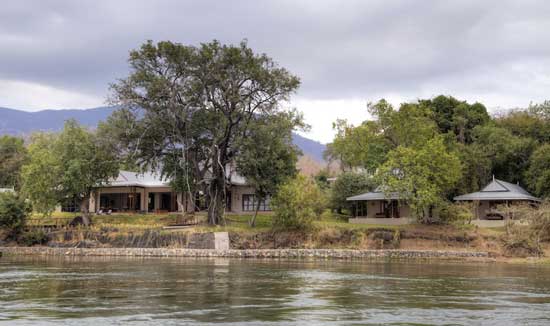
(250,253)
(328,233)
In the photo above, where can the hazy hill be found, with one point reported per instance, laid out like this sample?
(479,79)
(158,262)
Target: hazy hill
(17,122)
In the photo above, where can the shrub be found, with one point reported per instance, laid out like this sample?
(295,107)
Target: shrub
(385,239)
(525,239)
(457,213)
(297,203)
(520,242)
(35,237)
(13,213)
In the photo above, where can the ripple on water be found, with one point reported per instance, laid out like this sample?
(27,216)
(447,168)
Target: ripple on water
(193,292)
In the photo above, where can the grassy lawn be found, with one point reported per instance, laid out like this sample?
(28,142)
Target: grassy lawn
(135,221)
(234,223)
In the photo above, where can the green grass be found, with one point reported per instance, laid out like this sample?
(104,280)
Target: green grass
(329,220)
(239,224)
(129,221)
(234,223)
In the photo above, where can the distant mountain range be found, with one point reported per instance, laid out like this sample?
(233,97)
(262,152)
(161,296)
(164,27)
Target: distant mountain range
(21,123)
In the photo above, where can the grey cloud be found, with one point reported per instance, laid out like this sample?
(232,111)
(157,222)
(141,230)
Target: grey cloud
(339,48)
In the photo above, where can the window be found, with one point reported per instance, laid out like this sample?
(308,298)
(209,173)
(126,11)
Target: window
(249,203)
(70,205)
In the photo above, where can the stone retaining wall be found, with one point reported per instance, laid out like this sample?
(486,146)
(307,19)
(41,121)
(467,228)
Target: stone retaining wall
(252,253)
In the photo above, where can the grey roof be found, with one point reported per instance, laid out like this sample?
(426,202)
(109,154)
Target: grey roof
(499,190)
(377,194)
(152,179)
(134,179)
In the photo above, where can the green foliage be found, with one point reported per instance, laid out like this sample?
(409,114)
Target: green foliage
(410,126)
(267,156)
(112,135)
(40,175)
(66,165)
(512,146)
(477,168)
(368,144)
(457,213)
(457,117)
(14,211)
(538,174)
(508,154)
(188,109)
(362,146)
(529,123)
(13,155)
(322,179)
(346,185)
(297,203)
(422,176)
(33,237)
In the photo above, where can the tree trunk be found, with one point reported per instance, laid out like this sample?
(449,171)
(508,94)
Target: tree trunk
(85,210)
(84,205)
(252,222)
(216,191)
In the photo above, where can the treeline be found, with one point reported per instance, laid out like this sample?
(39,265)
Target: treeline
(431,150)
(197,114)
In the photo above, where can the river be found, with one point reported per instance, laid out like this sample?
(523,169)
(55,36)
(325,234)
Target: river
(187,291)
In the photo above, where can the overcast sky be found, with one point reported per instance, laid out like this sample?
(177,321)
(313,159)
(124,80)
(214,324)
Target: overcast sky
(64,54)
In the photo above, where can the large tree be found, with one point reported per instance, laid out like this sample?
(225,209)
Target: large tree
(509,154)
(189,107)
(410,126)
(367,145)
(13,155)
(456,117)
(66,166)
(267,156)
(358,146)
(422,176)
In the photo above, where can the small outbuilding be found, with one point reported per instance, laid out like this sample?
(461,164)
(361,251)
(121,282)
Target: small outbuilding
(495,194)
(378,208)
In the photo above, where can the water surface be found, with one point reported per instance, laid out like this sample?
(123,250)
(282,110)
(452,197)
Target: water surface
(109,291)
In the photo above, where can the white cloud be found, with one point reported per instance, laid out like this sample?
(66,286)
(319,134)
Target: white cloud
(320,114)
(33,97)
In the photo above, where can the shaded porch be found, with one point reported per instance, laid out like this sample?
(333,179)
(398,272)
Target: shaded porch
(379,209)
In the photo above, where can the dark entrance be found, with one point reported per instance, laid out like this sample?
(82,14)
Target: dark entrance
(151,202)
(120,202)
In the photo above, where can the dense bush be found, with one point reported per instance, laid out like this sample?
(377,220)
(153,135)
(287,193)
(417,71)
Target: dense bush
(525,238)
(519,241)
(457,213)
(297,203)
(35,237)
(13,213)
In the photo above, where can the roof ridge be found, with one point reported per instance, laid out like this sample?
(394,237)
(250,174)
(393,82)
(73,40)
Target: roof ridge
(503,184)
(122,174)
